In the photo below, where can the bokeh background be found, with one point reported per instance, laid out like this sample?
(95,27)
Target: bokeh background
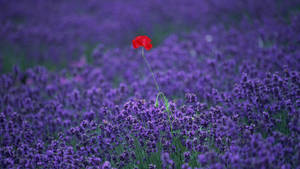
(55,33)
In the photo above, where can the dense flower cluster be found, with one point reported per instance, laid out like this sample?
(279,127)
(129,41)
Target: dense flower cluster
(233,91)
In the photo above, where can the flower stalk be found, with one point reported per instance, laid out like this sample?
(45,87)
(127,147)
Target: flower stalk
(166,102)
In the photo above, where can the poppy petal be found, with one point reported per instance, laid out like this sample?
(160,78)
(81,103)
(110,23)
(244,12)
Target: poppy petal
(142,40)
(148,46)
(139,42)
(135,44)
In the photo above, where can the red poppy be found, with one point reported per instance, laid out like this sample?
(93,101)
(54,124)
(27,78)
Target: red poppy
(142,40)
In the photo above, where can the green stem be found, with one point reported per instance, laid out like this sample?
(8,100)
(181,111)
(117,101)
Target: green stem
(156,84)
(159,92)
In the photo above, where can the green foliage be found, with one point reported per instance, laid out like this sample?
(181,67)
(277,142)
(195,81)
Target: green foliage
(12,55)
(282,124)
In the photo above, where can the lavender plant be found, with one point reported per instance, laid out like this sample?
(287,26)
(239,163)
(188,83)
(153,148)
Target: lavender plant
(233,90)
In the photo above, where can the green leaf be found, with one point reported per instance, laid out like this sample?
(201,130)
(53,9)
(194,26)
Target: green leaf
(156,103)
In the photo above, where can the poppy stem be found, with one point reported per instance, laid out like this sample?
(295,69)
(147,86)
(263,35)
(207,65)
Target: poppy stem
(156,84)
(166,102)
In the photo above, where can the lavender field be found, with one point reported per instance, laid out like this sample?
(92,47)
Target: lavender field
(220,87)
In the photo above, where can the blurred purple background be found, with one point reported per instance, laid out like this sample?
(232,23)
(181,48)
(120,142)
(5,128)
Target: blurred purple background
(57,31)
